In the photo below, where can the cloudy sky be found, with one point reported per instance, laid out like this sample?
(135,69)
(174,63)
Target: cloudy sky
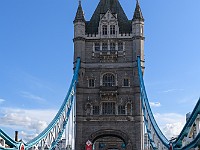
(36,57)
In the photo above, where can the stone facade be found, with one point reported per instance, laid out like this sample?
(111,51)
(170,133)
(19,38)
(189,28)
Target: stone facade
(108,106)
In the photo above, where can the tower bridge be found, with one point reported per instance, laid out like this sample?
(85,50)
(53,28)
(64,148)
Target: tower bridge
(107,107)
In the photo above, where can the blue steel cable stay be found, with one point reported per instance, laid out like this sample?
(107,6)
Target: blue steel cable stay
(54,131)
(148,115)
(186,129)
(190,130)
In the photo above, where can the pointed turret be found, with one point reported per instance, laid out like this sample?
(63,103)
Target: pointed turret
(138,32)
(79,33)
(79,14)
(138,13)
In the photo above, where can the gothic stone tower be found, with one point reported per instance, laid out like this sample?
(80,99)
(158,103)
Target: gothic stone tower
(108,106)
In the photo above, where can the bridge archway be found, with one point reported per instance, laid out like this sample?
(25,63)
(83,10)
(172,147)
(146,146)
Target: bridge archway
(110,140)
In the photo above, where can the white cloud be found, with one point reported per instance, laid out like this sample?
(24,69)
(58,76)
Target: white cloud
(31,122)
(28,121)
(2,100)
(27,136)
(155,104)
(170,124)
(32,96)
(173,129)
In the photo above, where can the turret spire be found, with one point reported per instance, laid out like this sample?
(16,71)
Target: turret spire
(138,12)
(79,13)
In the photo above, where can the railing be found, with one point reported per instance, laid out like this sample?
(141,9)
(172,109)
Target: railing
(191,126)
(156,137)
(108,88)
(189,138)
(50,137)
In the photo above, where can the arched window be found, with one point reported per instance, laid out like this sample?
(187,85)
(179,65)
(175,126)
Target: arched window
(112,29)
(109,80)
(104,29)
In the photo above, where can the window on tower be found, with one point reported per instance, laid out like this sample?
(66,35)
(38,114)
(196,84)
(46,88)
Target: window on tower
(91,83)
(97,47)
(104,30)
(108,80)
(112,29)
(112,46)
(104,46)
(95,110)
(120,46)
(126,82)
(108,108)
(121,110)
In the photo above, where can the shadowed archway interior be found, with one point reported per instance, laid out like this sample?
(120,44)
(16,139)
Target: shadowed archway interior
(110,140)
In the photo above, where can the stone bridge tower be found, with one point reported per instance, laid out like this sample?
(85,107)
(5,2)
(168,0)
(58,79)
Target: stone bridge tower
(108,102)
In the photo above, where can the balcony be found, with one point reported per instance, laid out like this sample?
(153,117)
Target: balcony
(108,88)
(108,91)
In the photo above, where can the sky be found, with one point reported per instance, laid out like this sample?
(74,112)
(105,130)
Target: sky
(36,58)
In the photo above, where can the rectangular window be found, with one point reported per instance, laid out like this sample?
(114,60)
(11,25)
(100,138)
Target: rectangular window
(108,108)
(112,29)
(104,46)
(112,46)
(91,83)
(121,110)
(95,110)
(120,46)
(97,47)
(126,82)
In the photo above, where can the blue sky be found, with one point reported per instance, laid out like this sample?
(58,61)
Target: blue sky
(36,57)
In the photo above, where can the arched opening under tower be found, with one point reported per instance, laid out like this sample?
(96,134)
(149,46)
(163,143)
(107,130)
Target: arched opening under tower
(110,140)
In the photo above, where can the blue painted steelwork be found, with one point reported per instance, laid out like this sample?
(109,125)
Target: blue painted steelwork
(9,141)
(68,100)
(192,144)
(53,145)
(146,108)
(178,142)
(66,108)
(61,110)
